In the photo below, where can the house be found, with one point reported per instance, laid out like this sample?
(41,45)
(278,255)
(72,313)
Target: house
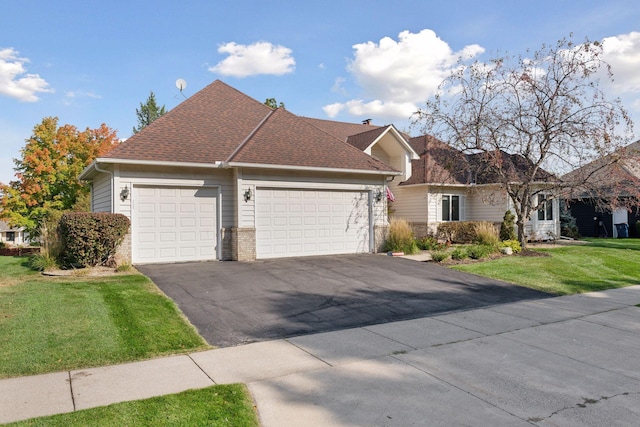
(13,236)
(440,184)
(223,176)
(616,199)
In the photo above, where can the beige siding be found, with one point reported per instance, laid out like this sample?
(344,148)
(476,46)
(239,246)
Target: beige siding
(188,177)
(486,205)
(380,154)
(101,193)
(411,203)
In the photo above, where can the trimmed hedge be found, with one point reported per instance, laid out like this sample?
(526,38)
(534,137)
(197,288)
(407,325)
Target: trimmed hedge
(90,239)
(459,231)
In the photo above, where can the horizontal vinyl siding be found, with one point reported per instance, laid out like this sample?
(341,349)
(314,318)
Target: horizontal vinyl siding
(411,203)
(180,177)
(489,206)
(101,193)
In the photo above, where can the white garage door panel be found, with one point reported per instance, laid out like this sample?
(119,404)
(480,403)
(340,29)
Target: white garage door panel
(309,222)
(174,224)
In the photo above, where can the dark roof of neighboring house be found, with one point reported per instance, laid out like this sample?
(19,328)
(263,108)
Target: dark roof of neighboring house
(620,172)
(221,124)
(440,163)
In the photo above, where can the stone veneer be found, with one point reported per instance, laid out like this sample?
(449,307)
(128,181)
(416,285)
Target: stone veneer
(243,244)
(379,237)
(123,252)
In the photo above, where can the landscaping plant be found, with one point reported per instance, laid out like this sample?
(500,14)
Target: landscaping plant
(459,253)
(400,237)
(439,256)
(507,228)
(429,243)
(486,234)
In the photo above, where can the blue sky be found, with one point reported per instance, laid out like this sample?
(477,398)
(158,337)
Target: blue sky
(91,62)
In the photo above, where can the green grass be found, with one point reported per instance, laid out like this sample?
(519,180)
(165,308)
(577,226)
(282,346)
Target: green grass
(50,324)
(221,405)
(602,264)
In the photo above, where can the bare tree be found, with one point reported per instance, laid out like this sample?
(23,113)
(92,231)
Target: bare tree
(529,119)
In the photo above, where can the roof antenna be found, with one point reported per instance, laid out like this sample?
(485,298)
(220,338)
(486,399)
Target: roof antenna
(181,84)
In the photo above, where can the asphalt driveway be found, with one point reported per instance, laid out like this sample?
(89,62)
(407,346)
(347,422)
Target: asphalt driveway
(233,303)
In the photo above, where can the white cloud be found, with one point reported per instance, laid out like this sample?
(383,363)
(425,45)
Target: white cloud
(23,88)
(398,75)
(254,59)
(622,52)
(333,110)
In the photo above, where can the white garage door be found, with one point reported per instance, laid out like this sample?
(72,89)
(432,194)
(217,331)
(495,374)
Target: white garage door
(309,222)
(173,224)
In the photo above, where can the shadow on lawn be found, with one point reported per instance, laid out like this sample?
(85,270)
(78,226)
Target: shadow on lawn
(582,286)
(625,244)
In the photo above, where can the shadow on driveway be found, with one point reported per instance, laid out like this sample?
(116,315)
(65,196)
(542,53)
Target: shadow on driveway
(233,303)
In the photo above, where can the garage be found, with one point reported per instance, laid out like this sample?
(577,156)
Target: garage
(174,224)
(297,222)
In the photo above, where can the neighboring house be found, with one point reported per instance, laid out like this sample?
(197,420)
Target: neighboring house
(440,184)
(11,235)
(619,184)
(223,176)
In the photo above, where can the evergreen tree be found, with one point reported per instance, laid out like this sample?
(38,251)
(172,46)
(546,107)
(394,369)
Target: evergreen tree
(148,112)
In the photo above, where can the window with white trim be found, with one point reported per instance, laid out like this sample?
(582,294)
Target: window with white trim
(450,207)
(545,208)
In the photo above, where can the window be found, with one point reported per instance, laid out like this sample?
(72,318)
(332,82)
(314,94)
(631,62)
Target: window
(450,208)
(11,236)
(545,209)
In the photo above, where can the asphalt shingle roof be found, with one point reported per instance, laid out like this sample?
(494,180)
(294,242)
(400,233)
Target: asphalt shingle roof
(219,123)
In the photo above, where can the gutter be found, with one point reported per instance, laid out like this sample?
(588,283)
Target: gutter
(307,168)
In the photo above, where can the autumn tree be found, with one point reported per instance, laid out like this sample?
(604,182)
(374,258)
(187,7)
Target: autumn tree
(47,172)
(148,112)
(545,109)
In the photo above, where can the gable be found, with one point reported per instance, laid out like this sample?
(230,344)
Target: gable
(219,126)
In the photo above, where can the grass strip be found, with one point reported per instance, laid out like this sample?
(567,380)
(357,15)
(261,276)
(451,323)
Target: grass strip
(601,264)
(50,324)
(220,405)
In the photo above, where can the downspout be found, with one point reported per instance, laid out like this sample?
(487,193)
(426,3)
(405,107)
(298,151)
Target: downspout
(112,185)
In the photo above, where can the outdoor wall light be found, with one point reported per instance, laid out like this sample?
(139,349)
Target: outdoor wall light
(124,193)
(378,196)
(248,194)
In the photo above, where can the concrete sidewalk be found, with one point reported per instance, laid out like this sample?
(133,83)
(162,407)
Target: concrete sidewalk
(571,360)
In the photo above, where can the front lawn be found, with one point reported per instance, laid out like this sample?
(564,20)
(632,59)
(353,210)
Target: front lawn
(601,264)
(220,405)
(52,324)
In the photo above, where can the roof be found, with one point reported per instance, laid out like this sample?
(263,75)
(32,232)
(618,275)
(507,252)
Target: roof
(5,227)
(619,171)
(220,124)
(440,163)
(341,130)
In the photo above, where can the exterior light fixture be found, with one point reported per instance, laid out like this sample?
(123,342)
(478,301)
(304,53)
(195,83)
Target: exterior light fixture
(124,193)
(378,196)
(247,194)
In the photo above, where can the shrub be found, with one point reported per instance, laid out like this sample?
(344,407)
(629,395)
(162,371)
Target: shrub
(513,244)
(439,256)
(568,225)
(2,245)
(459,253)
(400,237)
(429,243)
(507,230)
(486,234)
(91,239)
(479,251)
(457,232)
(43,262)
